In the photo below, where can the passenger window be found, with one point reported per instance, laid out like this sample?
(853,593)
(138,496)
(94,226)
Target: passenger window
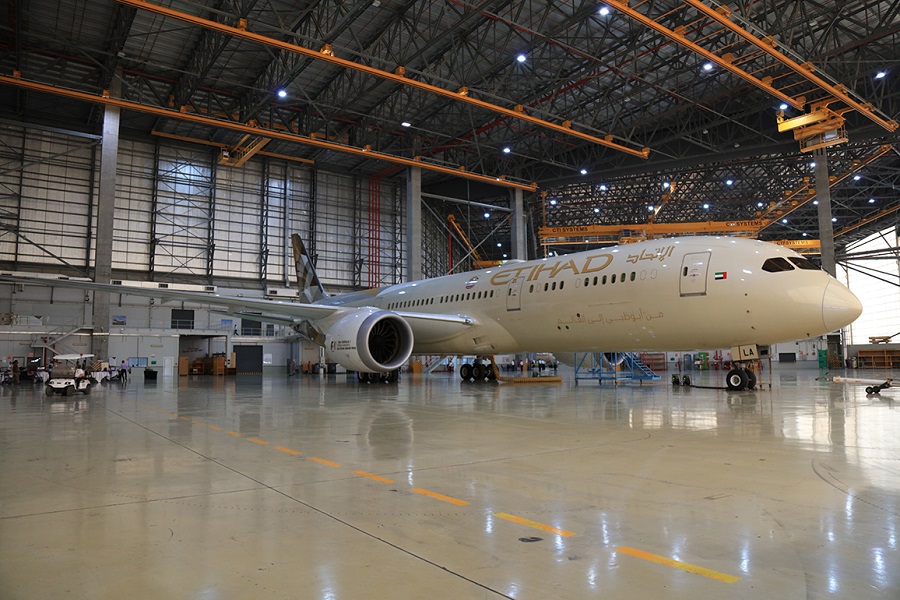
(613,280)
(623,278)
(531,289)
(595,280)
(633,275)
(561,284)
(604,280)
(553,287)
(802,263)
(546,286)
(774,265)
(587,281)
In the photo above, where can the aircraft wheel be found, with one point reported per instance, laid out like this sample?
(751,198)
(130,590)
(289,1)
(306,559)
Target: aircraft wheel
(465,371)
(49,390)
(491,374)
(751,379)
(736,380)
(478,372)
(870,390)
(391,376)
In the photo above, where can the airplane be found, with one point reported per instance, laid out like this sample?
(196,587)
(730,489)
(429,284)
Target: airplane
(671,294)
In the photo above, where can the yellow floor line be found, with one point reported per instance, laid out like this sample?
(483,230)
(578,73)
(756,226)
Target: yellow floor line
(235,434)
(215,427)
(378,478)
(534,524)
(323,461)
(676,564)
(287,450)
(257,441)
(437,496)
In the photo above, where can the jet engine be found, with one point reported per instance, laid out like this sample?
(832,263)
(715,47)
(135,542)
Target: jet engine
(370,340)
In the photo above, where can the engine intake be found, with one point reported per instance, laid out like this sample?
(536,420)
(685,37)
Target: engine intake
(370,340)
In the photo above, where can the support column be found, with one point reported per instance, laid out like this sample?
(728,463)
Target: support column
(106,206)
(517,226)
(823,195)
(414,223)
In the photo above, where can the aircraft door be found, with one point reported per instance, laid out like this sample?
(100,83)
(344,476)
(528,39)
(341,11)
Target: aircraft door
(513,294)
(694,272)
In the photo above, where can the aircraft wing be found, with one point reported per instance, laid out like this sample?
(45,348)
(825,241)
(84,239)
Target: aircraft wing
(426,325)
(232,303)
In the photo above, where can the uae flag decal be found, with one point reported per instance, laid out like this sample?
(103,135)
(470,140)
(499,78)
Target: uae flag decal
(721,275)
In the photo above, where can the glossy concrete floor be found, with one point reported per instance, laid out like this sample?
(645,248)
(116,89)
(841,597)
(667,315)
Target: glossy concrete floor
(324,489)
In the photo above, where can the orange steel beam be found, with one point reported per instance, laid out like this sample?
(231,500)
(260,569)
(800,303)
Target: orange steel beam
(327,54)
(811,193)
(806,73)
(190,140)
(871,219)
(622,5)
(257,131)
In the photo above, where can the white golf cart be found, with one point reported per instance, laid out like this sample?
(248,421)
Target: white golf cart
(62,376)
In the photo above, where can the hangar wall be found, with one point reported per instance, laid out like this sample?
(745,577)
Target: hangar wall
(180,214)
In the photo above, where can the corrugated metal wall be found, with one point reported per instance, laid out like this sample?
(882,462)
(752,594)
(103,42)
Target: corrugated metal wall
(180,213)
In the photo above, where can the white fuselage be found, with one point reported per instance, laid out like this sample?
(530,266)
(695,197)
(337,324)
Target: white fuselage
(660,295)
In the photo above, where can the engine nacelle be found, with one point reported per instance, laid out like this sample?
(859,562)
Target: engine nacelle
(370,340)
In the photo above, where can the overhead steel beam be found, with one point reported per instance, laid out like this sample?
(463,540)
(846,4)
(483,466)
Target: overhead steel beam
(622,5)
(721,15)
(502,180)
(326,53)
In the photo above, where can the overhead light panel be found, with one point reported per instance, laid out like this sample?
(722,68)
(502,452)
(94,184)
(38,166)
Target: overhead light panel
(521,58)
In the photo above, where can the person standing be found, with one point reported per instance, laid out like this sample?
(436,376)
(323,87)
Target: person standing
(15,371)
(123,372)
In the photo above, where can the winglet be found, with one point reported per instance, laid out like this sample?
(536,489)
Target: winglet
(311,289)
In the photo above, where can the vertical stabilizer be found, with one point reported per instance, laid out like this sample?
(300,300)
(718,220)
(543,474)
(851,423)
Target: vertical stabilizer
(311,289)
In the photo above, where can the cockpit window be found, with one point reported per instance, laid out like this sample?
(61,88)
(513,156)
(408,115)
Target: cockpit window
(774,265)
(804,264)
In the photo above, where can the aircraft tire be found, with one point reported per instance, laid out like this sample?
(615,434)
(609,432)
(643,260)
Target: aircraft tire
(465,371)
(391,376)
(870,390)
(751,379)
(478,372)
(736,380)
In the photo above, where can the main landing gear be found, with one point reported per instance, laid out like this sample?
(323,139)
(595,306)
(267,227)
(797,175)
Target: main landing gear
(477,371)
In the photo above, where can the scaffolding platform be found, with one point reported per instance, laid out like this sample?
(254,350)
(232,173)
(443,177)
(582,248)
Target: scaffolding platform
(612,366)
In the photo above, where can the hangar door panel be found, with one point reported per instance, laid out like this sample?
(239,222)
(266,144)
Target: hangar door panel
(248,360)
(694,272)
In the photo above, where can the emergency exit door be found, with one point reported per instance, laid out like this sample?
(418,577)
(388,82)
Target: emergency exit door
(514,294)
(694,273)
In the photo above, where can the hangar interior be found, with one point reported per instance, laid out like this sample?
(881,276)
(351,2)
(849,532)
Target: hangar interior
(182,143)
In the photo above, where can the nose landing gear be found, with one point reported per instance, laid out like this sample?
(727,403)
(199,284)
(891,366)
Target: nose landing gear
(740,378)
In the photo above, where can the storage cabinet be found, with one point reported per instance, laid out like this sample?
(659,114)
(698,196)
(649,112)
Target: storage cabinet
(889,358)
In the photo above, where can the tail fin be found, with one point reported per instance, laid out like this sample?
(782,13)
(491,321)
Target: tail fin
(311,289)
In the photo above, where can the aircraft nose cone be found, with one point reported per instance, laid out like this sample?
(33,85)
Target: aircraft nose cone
(839,306)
